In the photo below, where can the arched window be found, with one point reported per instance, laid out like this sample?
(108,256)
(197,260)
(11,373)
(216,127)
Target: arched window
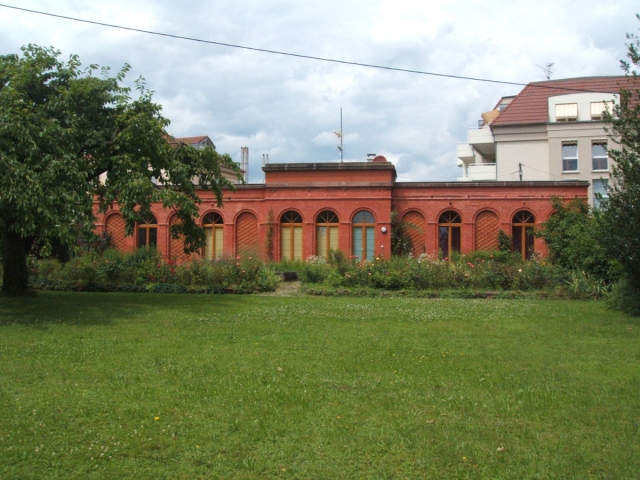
(449,225)
(213,226)
(148,232)
(326,233)
(291,236)
(363,236)
(522,230)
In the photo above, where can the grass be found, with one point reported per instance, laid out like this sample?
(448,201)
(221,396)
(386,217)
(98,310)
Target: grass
(179,386)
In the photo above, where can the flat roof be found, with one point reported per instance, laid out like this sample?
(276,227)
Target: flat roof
(305,167)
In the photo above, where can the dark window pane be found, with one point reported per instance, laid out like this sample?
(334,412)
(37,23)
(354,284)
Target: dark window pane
(153,236)
(529,242)
(327,217)
(363,217)
(291,217)
(444,240)
(569,165)
(455,239)
(600,163)
(517,239)
(142,237)
(449,217)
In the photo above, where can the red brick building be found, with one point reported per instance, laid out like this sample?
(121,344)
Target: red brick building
(303,209)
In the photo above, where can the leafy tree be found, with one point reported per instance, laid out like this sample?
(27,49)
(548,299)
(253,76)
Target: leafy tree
(621,212)
(571,234)
(61,128)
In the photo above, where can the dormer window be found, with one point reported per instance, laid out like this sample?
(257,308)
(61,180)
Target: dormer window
(566,112)
(598,109)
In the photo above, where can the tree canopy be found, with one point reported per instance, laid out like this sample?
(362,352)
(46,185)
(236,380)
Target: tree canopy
(62,127)
(621,212)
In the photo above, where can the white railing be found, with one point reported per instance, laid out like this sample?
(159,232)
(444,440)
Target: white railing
(480,171)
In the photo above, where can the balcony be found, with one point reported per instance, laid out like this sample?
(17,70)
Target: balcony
(478,172)
(483,142)
(480,136)
(465,152)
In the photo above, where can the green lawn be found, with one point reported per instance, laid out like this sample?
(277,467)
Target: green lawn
(166,386)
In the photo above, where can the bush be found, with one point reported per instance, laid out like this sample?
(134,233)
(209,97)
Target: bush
(491,270)
(572,234)
(145,271)
(581,285)
(314,270)
(625,298)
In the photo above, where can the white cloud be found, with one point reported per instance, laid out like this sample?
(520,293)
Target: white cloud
(288,107)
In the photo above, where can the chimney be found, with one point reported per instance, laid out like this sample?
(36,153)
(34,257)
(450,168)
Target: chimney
(244,163)
(370,157)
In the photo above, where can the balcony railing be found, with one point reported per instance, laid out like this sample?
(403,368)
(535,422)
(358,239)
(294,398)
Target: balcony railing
(480,171)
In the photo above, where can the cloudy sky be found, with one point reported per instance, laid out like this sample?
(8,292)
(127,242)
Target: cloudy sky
(288,107)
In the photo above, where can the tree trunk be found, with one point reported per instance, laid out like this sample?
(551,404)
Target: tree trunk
(14,262)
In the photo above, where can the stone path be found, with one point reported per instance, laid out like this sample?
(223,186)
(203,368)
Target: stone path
(286,289)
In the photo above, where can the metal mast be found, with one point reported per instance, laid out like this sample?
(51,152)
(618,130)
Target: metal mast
(339,135)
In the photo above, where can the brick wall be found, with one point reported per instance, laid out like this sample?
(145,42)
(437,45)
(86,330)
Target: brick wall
(484,209)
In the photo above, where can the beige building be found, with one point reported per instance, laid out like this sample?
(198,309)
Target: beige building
(551,130)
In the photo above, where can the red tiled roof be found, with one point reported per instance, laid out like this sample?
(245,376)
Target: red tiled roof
(187,140)
(531,104)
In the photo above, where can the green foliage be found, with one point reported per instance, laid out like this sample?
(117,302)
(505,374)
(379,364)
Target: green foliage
(583,286)
(486,270)
(401,243)
(621,212)
(62,128)
(145,271)
(573,235)
(314,270)
(268,242)
(625,297)
(504,241)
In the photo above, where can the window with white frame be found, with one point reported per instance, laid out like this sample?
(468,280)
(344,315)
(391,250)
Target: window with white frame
(569,156)
(598,109)
(599,156)
(600,192)
(566,112)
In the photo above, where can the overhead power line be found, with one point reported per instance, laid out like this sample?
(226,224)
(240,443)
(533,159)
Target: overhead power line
(289,54)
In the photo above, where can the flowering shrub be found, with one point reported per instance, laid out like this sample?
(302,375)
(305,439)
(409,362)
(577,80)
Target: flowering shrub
(145,270)
(314,270)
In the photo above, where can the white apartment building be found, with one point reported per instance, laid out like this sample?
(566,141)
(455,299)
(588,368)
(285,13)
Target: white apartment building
(551,130)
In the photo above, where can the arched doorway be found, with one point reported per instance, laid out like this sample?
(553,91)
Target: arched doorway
(291,236)
(213,226)
(326,233)
(363,236)
(522,232)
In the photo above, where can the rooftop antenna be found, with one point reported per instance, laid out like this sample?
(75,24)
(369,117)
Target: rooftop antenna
(339,135)
(547,70)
